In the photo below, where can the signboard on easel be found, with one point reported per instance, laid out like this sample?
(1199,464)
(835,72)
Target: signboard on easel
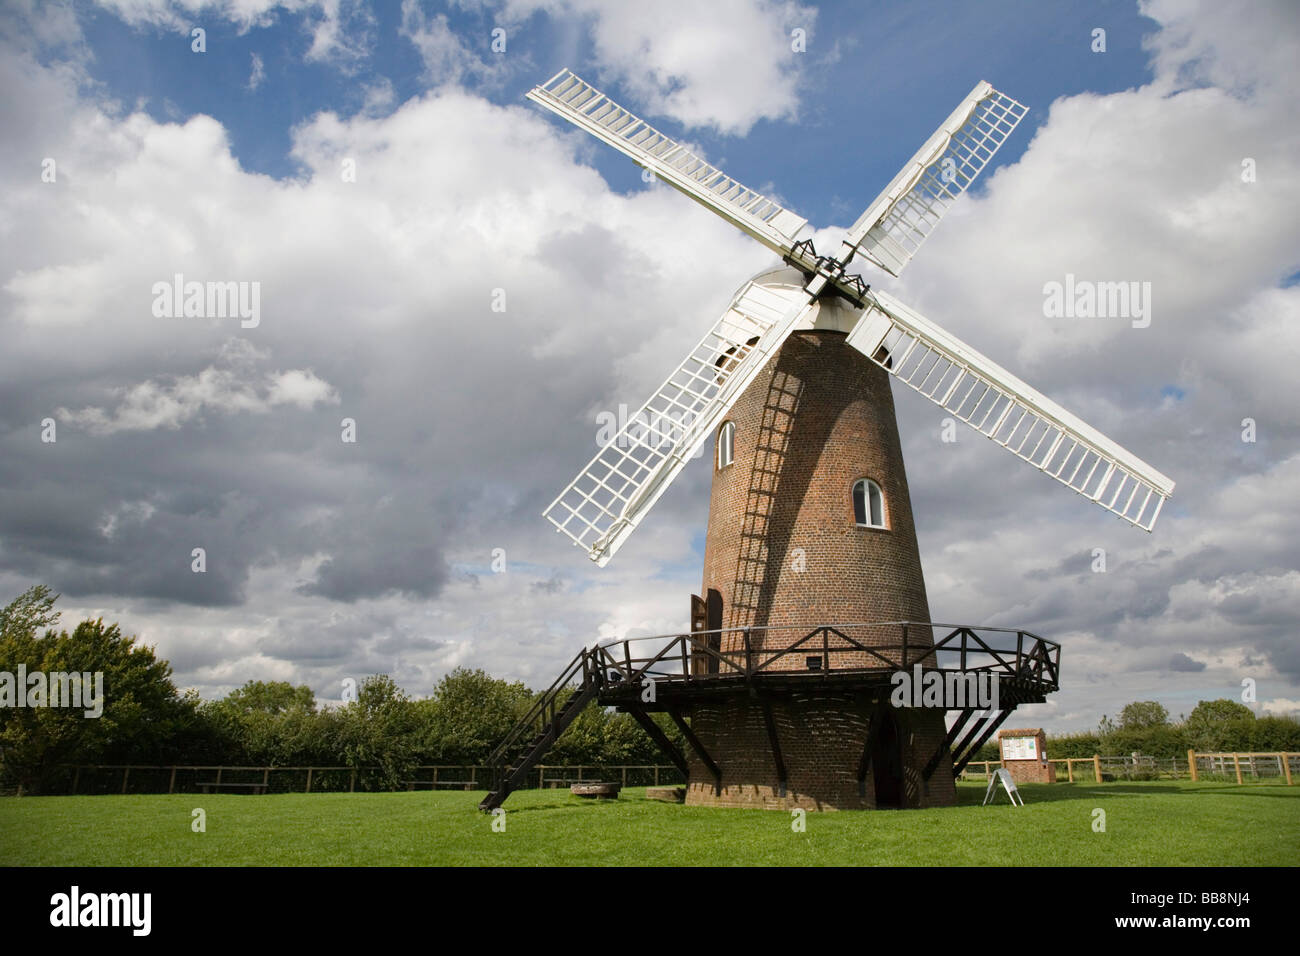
(1001,776)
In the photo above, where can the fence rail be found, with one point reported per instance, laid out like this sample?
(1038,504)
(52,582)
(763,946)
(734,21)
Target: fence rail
(1240,767)
(200,778)
(1256,766)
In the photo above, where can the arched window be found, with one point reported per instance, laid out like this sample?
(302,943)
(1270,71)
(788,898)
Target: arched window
(868,504)
(726,444)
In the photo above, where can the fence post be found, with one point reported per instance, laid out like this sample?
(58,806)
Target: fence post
(1286,767)
(625,777)
(1236,762)
(171,784)
(1191,765)
(126,773)
(472,771)
(1096,766)
(541,778)
(266,778)
(1069,768)
(76,778)
(352,781)
(308,790)
(1288,776)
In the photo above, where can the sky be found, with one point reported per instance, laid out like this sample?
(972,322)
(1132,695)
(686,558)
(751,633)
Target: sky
(377,171)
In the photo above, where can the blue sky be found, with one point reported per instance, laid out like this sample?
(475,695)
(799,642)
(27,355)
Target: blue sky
(331,560)
(879,77)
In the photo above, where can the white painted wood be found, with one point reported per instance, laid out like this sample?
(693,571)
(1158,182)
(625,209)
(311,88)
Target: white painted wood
(612,494)
(900,219)
(974,388)
(568,96)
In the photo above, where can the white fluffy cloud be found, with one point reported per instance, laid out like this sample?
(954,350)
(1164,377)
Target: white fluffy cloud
(725,67)
(150,405)
(341,31)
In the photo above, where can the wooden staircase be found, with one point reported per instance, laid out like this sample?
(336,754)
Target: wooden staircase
(534,735)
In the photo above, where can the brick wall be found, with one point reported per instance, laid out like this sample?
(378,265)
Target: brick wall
(821,737)
(1029,771)
(820,417)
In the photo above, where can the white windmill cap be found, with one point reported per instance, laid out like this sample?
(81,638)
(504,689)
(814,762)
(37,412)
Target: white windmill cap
(829,314)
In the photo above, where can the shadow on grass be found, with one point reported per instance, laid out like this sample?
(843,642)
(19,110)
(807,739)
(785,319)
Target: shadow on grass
(1247,790)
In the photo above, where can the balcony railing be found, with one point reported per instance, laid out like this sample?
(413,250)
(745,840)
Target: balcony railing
(830,650)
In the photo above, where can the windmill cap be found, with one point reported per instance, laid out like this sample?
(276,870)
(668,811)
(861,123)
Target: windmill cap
(830,314)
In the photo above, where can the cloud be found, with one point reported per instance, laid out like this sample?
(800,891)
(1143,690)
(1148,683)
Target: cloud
(258,74)
(151,405)
(377,301)
(341,31)
(725,70)
(1181,662)
(446,57)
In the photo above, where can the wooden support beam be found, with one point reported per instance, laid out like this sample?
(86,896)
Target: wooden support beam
(946,744)
(964,747)
(655,733)
(989,729)
(770,721)
(698,747)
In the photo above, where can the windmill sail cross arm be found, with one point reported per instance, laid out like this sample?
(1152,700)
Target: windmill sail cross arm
(570,97)
(974,388)
(898,221)
(608,499)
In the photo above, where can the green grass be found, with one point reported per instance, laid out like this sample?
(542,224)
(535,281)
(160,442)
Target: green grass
(1172,823)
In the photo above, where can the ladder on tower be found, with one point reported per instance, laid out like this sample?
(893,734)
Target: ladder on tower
(535,734)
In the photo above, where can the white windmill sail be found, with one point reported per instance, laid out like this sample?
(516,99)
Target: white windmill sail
(608,499)
(896,223)
(582,104)
(990,399)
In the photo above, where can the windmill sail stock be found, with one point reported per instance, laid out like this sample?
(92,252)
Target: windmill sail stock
(612,494)
(892,228)
(1001,407)
(568,96)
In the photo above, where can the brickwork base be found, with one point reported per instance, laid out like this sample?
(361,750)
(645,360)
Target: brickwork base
(821,737)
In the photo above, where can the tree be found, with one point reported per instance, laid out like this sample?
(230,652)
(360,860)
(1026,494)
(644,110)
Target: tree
(29,612)
(378,729)
(1142,714)
(271,723)
(130,710)
(273,697)
(1216,725)
(469,713)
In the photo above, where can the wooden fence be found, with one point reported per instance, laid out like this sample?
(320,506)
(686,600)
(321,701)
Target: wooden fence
(1260,765)
(196,778)
(185,778)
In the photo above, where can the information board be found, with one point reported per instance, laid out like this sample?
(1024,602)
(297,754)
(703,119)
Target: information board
(1019,748)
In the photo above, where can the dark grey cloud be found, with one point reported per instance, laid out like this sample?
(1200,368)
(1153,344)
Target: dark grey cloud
(1181,662)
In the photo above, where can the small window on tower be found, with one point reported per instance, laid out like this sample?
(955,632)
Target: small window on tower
(726,444)
(868,504)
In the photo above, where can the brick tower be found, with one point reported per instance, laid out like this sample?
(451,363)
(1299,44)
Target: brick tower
(786,552)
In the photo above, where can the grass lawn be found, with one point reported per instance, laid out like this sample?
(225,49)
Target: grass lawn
(1171,823)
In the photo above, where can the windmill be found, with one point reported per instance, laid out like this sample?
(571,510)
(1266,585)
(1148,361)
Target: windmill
(812,580)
